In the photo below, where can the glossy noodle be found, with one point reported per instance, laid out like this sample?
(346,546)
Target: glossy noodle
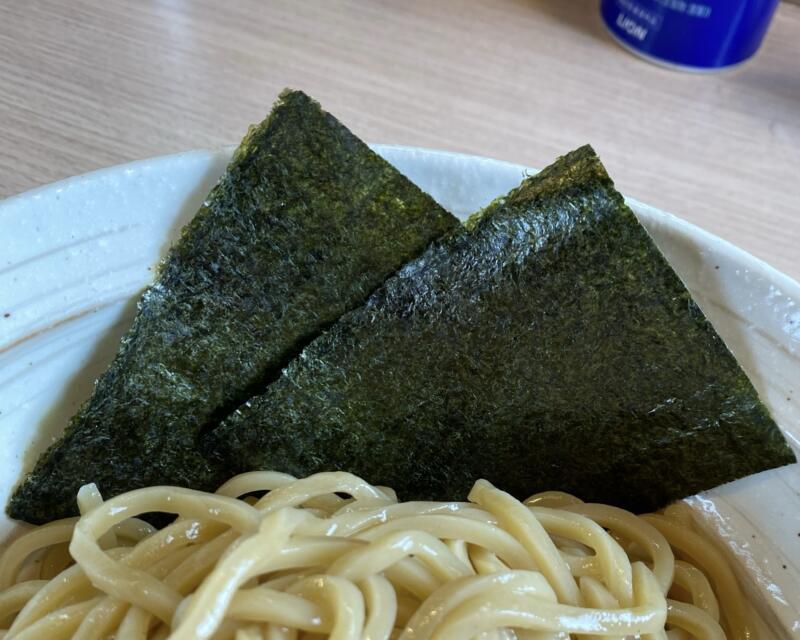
(301,561)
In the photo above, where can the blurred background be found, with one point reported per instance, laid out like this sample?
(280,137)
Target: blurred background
(90,83)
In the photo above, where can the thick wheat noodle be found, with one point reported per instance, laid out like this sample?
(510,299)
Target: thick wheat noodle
(695,584)
(736,615)
(595,595)
(302,562)
(696,622)
(16,596)
(40,538)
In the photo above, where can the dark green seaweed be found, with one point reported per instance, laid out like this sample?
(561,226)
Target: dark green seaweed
(547,346)
(303,226)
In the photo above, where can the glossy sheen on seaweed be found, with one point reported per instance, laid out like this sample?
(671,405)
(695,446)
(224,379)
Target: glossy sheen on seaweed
(547,346)
(304,225)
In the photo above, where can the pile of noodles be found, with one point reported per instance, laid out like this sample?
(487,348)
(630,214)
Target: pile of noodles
(301,561)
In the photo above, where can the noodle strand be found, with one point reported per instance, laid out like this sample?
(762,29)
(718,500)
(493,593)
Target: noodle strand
(271,557)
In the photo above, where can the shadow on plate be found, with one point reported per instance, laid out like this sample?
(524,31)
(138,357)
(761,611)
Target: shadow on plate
(78,388)
(80,385)
(195,199)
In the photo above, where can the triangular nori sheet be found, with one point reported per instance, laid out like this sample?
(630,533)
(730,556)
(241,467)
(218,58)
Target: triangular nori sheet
(549,346)
(303,226)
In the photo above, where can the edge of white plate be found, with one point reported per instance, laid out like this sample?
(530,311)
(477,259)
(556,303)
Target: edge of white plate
(646,211)
(389,150)
(499,183)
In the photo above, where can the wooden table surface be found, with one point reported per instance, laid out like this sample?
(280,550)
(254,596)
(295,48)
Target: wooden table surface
(90,83)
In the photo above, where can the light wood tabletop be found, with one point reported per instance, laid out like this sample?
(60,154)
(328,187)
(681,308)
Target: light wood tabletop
(90,83)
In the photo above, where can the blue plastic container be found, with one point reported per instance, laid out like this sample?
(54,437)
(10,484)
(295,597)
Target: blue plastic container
(702,36)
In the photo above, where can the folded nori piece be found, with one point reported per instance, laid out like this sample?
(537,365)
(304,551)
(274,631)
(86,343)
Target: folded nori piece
(547,346)
(303,226)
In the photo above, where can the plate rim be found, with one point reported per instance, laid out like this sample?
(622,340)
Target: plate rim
(680,229)
(652,212)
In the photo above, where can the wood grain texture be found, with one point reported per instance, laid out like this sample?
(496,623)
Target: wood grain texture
(90,83)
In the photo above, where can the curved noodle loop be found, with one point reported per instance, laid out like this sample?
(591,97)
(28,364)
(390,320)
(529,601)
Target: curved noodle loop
(301,561)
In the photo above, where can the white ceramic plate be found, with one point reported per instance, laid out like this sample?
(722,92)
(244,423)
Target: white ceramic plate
(76,255)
